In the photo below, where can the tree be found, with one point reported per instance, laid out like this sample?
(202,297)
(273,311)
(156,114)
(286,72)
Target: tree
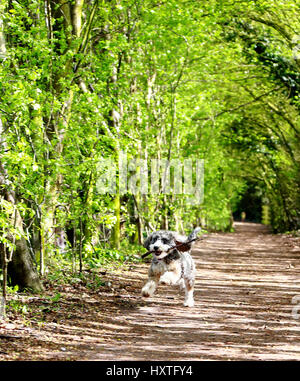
(84,80)
(19,262)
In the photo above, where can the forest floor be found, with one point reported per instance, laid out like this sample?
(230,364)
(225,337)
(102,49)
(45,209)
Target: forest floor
(245,285)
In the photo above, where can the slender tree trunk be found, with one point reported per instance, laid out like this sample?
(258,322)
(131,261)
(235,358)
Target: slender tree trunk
(116,233)
(65,17)
(21,268)
(80,246)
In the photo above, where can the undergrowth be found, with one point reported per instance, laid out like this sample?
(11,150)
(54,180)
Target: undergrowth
(63,274)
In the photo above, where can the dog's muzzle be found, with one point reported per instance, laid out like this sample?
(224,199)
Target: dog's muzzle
(160,255)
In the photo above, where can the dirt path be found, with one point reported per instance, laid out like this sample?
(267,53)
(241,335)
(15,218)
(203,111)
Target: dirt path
(243,310)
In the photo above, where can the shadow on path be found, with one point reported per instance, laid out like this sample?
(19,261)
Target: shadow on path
(243,309)
(244,289)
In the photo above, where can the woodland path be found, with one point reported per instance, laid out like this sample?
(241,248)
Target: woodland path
(243,302)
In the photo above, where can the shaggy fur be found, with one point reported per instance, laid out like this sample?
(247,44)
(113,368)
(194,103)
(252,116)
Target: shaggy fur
(174,267)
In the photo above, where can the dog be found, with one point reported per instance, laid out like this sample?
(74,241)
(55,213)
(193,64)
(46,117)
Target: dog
(171,266)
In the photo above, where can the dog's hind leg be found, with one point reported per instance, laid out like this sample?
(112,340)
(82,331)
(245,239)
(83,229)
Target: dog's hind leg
(150,287)
(172,275)
(181,285)
(189,293)
(169,277)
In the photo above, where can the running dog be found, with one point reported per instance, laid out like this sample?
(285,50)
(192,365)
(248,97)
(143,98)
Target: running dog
(170,264)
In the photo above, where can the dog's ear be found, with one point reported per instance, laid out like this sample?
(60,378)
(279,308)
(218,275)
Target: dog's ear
(147,242)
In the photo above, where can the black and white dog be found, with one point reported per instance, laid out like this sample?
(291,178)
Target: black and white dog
(173,267)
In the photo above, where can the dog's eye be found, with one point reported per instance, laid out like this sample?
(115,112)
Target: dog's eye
(164,240)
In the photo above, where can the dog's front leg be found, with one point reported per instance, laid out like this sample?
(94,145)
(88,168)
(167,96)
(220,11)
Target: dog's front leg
(150,287)
(155,271)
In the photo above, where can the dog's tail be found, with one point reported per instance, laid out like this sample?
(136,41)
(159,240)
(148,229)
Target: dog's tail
(194,234)
(187,245)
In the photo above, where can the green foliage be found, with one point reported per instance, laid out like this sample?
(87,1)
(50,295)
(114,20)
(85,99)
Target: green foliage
(102,256)
(217,81)
(15,304)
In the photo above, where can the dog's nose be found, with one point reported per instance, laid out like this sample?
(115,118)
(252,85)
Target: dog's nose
(155,248)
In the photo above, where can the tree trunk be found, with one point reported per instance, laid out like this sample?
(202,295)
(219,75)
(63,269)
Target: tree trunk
(21,269)
(63,16)
(115,237)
